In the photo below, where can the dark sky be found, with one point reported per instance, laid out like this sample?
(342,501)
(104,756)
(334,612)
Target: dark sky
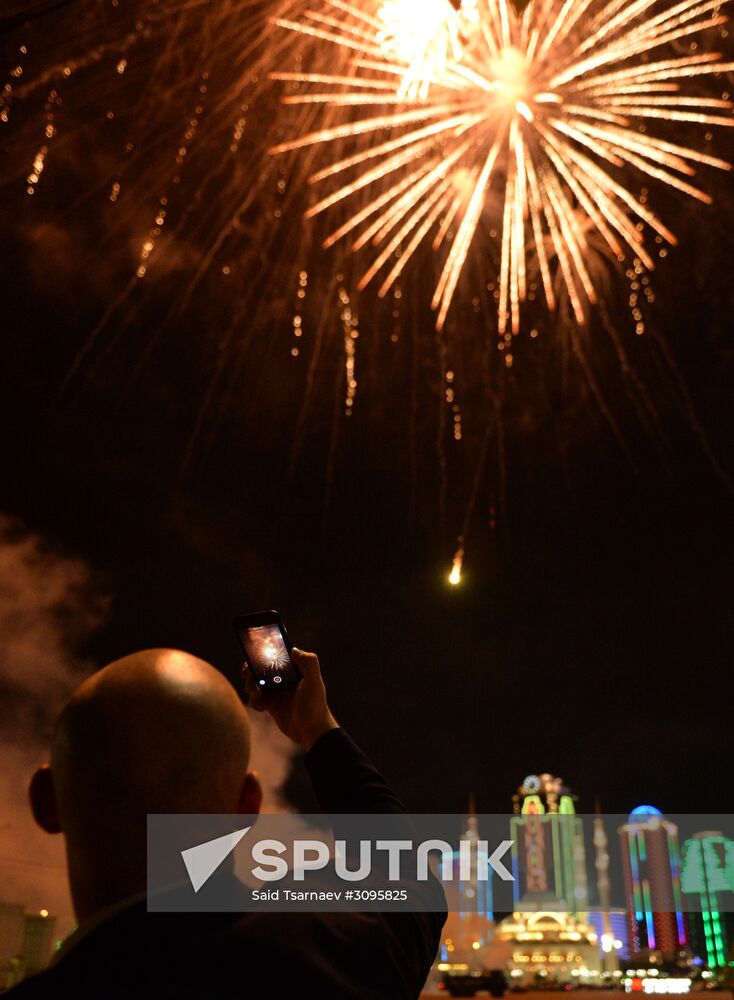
(592,635)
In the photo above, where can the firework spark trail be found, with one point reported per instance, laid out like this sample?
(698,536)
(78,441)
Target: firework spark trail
(396,133)
(546,110)
(160,72)
(531,122)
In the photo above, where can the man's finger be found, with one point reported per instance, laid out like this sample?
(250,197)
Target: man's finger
(253,694)
(257,700)
(251,688)
(307,663)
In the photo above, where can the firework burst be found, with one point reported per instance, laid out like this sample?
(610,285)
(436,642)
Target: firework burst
(545,118)
(516,145)
(425,35)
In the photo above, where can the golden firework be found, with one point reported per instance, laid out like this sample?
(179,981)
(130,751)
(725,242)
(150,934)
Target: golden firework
(551,112)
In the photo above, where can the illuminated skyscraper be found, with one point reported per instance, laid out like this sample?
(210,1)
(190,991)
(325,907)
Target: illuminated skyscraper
(651,864)
(545,787)
(611,927)
(548,931)
(707,881)
(548,852)
(616,945)
(470,929)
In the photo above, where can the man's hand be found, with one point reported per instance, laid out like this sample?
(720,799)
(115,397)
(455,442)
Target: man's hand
(302,714)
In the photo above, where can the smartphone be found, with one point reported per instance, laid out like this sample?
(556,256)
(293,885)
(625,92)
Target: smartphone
(267,650)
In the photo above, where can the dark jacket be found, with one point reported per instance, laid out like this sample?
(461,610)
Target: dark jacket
(223,956)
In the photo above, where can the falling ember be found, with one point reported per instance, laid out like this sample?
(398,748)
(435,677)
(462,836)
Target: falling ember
(350,324)
(456,569)
(39,162)
(546,118)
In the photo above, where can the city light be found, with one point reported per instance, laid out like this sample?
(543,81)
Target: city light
(672,985)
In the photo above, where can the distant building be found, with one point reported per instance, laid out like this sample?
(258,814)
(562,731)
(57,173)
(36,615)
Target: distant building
(707,883)
(26,942)
(549,933)
(545,787)
(469,931)
(548,853)
(611,927)
(651,866)
(614,924)
(552,946)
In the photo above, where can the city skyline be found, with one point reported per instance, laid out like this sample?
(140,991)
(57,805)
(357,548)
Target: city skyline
(679,896)
(562,908)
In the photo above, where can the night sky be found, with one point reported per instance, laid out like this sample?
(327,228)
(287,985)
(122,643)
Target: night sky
(592,634)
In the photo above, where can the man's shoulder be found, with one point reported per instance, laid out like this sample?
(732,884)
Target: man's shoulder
(42,984)
(36,986)
(351,956)
(58,981)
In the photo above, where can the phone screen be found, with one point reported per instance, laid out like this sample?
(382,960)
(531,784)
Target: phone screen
(268,656)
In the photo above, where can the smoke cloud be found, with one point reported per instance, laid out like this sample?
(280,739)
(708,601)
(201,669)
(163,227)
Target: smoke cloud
(50,604)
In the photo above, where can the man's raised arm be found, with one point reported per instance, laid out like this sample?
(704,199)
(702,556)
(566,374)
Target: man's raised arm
(346,782)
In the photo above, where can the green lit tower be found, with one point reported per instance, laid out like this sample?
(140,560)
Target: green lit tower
(549,856)
(548,931)
(707,882)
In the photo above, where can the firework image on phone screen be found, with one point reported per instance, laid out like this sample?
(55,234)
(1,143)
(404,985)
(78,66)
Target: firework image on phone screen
(268,656)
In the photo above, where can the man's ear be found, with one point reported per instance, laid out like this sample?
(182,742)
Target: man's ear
(43,800)
(251,796)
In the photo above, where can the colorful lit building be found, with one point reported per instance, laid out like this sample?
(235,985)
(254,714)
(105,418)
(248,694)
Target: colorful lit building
(610,926)
(707,883)
(613,933)
(551,946)
(545,787)
(651,866)
(468,932)
(548,853)
(548,932)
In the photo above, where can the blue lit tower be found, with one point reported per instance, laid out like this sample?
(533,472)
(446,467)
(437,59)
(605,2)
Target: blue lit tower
(651,864)
(470,929)
(475,894)
(607,924)
(707,881)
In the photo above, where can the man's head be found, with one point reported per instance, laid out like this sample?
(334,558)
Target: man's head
(155,732)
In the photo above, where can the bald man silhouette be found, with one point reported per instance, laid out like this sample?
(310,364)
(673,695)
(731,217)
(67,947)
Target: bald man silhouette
(164,732)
